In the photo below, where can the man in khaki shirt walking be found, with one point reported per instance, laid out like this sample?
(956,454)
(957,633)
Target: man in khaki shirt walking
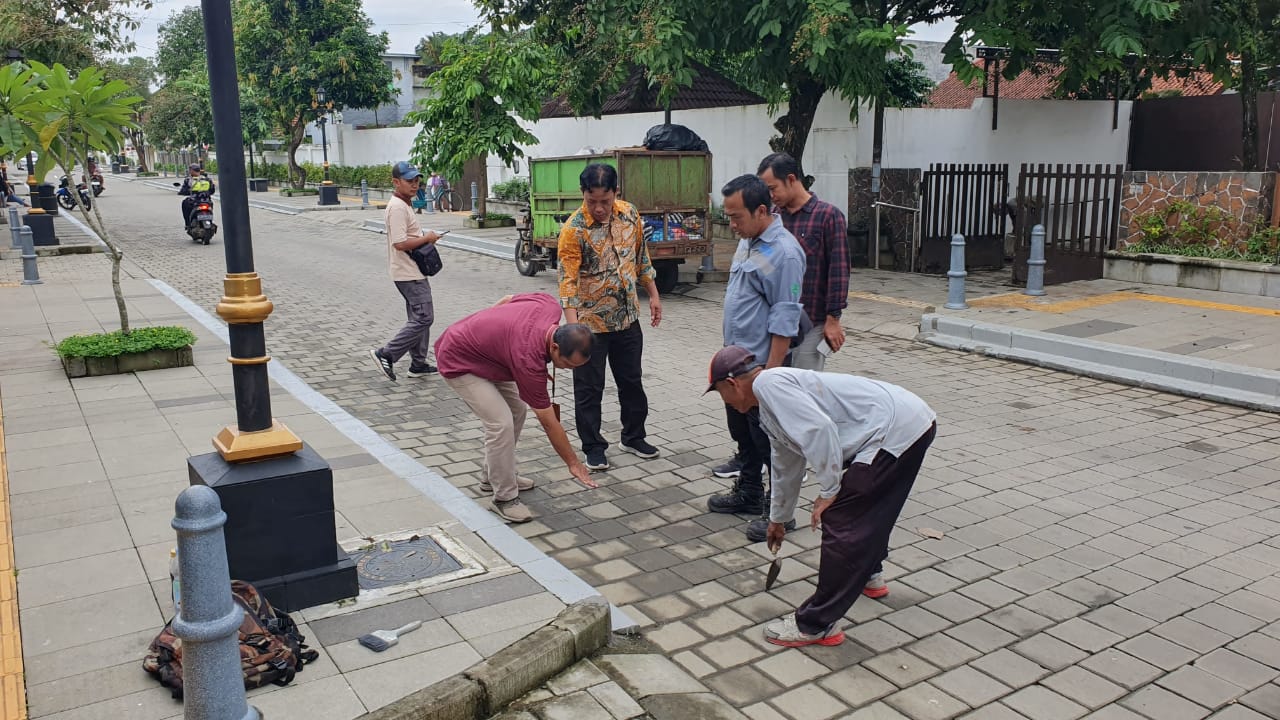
(403,235)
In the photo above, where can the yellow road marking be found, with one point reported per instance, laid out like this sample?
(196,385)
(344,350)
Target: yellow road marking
(13,698)
(1027,302)
(886,299)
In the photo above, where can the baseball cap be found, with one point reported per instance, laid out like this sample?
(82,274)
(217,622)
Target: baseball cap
(405,171)
(731,361)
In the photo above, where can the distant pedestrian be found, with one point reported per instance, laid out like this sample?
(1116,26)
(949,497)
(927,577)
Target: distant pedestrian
(404,234)
(496,360)
(603,256)
(762,312)
(436,187)
(8,193)
(822,231)
(865,440)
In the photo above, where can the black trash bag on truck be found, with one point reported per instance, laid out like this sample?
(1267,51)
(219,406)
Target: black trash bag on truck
(673,137)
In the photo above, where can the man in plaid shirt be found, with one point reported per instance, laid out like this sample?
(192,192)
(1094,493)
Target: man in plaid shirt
(822,231)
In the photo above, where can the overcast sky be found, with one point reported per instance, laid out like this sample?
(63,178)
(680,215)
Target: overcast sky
(405,22)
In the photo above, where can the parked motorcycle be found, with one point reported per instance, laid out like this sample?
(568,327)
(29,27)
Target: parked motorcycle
(200,225)
(66,200)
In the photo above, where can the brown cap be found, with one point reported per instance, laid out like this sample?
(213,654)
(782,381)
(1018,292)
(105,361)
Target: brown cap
(731,361)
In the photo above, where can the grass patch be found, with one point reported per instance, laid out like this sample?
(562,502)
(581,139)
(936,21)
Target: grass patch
(1201,250)
(117,343)
(148,174)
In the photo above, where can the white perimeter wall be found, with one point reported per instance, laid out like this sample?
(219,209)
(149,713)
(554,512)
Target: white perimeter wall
(1032,131)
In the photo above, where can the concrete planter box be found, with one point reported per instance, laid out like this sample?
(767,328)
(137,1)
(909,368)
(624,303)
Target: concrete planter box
(479,224)
(506,207)
(130,362)
(1246,278)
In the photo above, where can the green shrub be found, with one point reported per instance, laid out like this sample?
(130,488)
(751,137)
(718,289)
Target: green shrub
(116,343)
(497,216)
(514,190)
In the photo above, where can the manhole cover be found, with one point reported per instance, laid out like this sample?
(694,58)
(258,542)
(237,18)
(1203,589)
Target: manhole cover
(396,562)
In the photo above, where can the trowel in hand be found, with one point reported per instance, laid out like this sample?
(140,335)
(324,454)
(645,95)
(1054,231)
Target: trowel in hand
(775,567)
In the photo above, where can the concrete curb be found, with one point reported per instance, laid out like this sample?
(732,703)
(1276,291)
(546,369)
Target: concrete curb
(1252,388)
(489,686)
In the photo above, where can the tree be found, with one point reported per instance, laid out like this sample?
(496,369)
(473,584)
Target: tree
(72,32)
(180,46)
(75,114)
(797,50)
(1110,46)
(179,115)
(286,49)
(137,73)
(484,87)
(430,49)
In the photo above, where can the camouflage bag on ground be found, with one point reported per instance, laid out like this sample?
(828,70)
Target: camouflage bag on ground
(271,648)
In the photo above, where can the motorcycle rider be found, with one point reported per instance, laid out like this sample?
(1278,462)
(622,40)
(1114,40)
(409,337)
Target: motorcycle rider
(197,182)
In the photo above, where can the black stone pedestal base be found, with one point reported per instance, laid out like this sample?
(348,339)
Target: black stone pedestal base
(328,195)
(280,527)
(41,229)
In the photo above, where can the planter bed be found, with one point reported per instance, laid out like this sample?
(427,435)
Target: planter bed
(1235,276)
(481,224)
(128,362)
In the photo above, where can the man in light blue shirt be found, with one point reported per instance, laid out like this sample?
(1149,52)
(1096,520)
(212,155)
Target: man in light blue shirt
(762,312)
(865,440)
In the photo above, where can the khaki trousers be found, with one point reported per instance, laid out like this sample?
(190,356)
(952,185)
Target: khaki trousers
(502,412)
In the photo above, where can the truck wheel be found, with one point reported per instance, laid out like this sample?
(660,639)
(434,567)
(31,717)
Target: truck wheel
(668,273)
(525,265)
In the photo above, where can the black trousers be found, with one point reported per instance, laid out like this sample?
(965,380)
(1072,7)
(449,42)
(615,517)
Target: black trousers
(753,449)
(622,350)
(188,204)
(855,531)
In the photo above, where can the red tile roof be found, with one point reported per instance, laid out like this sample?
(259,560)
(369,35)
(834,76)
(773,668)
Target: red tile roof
(1039,82)
(710,89)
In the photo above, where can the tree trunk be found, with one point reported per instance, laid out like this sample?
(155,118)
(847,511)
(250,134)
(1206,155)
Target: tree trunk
(793,128)
(1249,107)
(139,146)
(114,251)
(296,173)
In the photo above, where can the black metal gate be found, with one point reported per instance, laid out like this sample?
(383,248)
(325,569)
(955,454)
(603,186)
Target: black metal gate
(964,199)
(1079,206)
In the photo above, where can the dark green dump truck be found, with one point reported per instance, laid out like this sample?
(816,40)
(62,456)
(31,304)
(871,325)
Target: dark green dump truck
(672,191)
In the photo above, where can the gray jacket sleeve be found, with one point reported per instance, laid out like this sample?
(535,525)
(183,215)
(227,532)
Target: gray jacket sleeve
(793,413)
(782,291)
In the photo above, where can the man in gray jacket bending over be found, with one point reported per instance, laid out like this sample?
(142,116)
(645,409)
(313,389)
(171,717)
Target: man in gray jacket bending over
(865,441)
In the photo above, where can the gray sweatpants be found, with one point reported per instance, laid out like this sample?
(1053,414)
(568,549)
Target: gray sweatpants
(414,338)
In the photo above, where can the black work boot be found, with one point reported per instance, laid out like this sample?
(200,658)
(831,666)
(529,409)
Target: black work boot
(737,500)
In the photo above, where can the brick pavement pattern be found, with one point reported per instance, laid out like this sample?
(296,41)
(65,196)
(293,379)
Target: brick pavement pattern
(1108,551)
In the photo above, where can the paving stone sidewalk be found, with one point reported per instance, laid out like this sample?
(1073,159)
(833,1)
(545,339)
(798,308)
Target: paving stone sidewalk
(1108,551)
(94,467)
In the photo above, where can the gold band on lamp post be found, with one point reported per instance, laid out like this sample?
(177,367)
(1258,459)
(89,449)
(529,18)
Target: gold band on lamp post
(243,302)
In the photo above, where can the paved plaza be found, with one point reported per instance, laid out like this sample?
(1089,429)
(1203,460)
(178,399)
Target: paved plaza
(1106,551)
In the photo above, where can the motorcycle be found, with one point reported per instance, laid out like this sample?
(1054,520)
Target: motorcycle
(96,182)
(67,201)
(201,226)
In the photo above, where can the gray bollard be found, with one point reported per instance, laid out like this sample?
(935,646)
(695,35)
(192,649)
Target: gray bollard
(15,224)
(1035,263)
(956,275)
(30,273)
(475,197)
(364,193)
(209,622)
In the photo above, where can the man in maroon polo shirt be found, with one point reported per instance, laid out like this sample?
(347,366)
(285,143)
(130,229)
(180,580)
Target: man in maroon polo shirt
(496,360)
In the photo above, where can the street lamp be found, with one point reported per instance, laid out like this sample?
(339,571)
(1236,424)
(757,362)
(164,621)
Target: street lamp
(328,193)
(276,491)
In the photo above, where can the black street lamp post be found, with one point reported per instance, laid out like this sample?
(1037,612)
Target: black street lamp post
(276,491)
(328,191)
